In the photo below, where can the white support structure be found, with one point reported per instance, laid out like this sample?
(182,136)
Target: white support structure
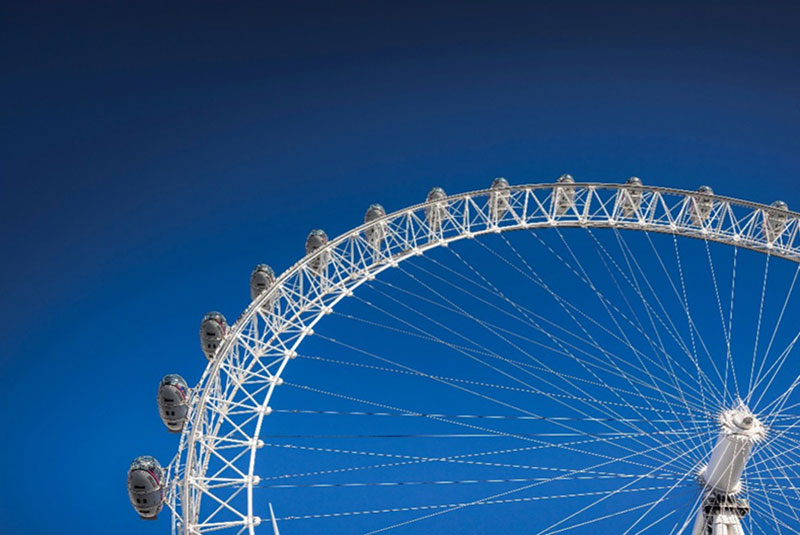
(211,489)
(739,431)
(721,510)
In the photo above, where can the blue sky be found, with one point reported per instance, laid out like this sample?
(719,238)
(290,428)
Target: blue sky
(153,154)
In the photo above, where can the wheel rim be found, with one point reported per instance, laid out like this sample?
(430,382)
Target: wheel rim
(250,363)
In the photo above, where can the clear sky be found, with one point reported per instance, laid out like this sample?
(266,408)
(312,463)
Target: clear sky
(152,154)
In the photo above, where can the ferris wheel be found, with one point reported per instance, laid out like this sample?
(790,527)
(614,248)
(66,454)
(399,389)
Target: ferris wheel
(621,363)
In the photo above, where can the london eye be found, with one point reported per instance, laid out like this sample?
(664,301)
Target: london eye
(565,357)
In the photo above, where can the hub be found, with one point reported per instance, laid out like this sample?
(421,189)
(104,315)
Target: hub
(721,510)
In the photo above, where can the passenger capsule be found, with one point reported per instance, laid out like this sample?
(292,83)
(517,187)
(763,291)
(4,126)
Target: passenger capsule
(261,279)
(563,195)
(146,486)
(436,214)
(375,233)
(173,402)
(631,197)
(702,203)
(775,220)
(498,198)
(317,239)
(212,331)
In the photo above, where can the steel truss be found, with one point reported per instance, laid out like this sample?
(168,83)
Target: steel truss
(211,479)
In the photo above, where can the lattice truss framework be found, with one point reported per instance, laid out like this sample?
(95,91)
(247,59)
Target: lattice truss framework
(211,478)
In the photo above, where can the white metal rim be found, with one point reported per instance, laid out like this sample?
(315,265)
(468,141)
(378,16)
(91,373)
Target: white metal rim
(300,297)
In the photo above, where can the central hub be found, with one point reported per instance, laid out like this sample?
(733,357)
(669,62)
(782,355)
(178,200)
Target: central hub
(721,509)
(739,430)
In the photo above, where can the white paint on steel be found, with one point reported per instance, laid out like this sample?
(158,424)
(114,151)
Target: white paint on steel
(739,430)
(263,340)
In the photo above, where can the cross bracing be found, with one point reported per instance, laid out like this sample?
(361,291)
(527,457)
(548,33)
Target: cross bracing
(213,476)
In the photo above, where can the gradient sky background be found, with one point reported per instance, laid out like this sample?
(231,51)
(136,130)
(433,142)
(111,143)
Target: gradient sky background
(152,154)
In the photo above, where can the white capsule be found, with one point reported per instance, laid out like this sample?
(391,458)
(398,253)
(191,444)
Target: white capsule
(261,279)
(376,232)
(498,198)
(146,486)
(213,329)
(701,204)
(563,195)
(775,220)
(173,402)
(437,213)
(631,197)
(317,239)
